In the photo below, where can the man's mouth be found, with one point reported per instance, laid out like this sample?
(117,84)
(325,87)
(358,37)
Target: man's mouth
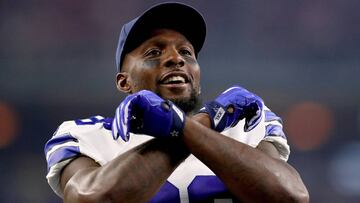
(174,78)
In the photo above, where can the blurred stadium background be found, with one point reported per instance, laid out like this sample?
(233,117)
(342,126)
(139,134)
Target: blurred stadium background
(302,57)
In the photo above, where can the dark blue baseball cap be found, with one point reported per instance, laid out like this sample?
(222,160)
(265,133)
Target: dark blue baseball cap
(176,16)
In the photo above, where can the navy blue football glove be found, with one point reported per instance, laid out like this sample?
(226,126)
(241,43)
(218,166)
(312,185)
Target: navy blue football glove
(233,105)
(145,112)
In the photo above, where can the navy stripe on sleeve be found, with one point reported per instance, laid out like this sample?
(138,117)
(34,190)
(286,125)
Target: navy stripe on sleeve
(270,116)
(274,130)
(57,140)
(62,154)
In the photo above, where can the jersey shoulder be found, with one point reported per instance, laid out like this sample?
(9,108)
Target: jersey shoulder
(65,141)
(73,139)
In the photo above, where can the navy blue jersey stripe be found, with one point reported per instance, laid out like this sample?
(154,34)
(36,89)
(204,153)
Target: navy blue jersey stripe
(274,130)
(270,116)
(62,154)
(57,140)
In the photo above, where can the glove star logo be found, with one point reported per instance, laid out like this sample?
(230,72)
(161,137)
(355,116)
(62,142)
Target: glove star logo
(174,133)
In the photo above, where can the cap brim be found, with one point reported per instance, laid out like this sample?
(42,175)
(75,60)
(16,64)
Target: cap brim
(175,16)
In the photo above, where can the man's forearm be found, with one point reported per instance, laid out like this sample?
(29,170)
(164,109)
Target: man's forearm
(250,175)
(134,176)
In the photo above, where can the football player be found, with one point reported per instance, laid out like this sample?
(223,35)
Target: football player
(156,148)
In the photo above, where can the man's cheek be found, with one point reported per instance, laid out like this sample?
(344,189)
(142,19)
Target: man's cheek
(151,63)
(191,61)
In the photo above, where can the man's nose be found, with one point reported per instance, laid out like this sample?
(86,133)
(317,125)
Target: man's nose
(174,60)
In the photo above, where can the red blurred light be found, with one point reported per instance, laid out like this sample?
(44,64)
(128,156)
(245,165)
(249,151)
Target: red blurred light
(308,125)
(8,125)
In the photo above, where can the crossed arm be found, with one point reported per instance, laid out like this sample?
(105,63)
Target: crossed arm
(252,175)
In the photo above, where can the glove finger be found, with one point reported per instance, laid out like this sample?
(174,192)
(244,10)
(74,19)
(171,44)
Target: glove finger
(129,115)
(233,89)
(115,126)
(122,122)
(253,116)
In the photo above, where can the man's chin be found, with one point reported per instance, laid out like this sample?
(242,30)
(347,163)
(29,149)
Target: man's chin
(186,101)
(187,104)
(177,98)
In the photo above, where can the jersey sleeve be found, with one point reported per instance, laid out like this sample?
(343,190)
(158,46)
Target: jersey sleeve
(274,133)
(73,139)
(60,150)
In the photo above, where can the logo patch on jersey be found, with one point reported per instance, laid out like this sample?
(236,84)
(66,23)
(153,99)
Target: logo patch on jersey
(218,116)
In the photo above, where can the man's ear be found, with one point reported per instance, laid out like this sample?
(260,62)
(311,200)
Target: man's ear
(122,82)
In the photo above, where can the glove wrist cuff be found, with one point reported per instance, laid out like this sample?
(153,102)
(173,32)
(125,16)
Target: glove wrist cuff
(217,113)
(178,121)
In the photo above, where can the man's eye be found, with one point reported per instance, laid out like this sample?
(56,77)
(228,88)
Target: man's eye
(153,52)
(185,52)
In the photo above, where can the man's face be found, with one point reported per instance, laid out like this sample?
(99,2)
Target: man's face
(165,64)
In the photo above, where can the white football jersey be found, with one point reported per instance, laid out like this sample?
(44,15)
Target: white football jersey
(192,181)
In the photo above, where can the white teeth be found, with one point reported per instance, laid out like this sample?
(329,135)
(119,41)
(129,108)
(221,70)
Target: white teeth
(175,79)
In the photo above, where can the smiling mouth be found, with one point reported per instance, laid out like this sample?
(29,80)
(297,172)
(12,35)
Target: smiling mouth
(175,79)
